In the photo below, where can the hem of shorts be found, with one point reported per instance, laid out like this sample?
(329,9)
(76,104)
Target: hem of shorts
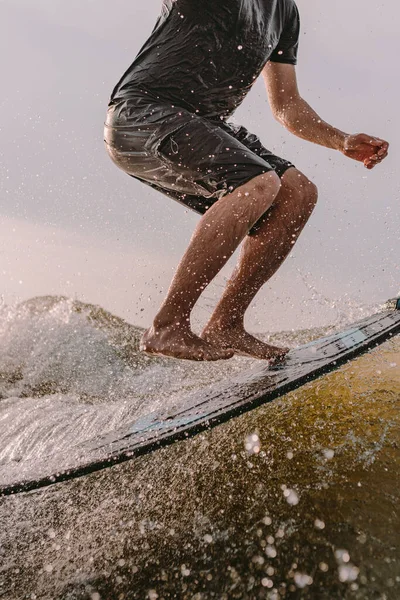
(284,61)
(232,188)
(280,172)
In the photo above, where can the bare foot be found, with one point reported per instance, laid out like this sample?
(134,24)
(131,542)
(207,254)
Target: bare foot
(243,343)
(180,343)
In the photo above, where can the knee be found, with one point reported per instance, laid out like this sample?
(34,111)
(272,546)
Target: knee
(267,186)
(306,194)
(312,193)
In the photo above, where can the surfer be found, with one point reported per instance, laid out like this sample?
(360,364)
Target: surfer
(167,126)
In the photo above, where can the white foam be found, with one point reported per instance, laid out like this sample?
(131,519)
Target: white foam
(65,380)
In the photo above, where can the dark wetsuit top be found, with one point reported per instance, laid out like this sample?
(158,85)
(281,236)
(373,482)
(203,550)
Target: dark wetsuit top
(206,54)
(167,119)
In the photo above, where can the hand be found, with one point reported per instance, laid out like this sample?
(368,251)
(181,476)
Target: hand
(366,149)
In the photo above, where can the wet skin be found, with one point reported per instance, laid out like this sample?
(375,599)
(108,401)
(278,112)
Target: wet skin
(243,344)
(215,239)
(180,342)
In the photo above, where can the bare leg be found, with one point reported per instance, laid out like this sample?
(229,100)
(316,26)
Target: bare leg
(216,237)
(262,253)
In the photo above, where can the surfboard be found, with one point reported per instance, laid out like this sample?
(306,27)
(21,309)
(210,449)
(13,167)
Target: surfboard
(214,405)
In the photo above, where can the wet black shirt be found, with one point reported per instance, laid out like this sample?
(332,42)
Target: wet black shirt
(204,55)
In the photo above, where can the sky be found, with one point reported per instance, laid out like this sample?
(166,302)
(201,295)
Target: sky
(72,224)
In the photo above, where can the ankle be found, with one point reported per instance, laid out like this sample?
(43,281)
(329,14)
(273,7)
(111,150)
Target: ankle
(224,323)
(170,320)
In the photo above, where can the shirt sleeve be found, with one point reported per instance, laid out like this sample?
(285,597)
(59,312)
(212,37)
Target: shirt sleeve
(286,49)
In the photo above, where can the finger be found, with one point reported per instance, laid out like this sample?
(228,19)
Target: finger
(377,142)
(382,144)
(369,163)
(374,162)
(383,148)
(379,156)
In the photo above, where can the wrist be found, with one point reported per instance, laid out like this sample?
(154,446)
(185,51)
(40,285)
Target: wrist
(339,140)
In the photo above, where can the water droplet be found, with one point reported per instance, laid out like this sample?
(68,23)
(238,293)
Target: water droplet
(270,551)
(252,444)
(291,496)
(348,573)
(342,556)
(302,579)
(185,571)
(328,453)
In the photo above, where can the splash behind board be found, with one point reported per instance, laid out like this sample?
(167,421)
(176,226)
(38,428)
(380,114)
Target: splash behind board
(216,404)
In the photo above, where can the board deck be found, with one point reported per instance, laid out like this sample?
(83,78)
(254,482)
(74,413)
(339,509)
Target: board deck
(219,403)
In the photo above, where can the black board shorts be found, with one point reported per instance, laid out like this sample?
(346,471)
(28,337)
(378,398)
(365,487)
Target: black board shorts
(190,158)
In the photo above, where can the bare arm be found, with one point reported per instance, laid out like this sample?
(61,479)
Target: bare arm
(296,115)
